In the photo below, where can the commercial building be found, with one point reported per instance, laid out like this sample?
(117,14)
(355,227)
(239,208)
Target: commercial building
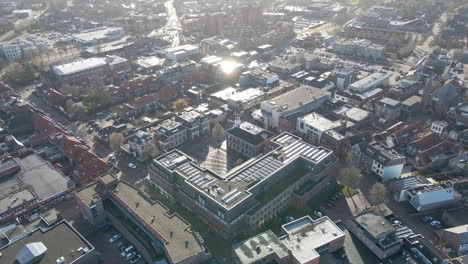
(314,125)
(257,78)
(11,51)
(28,183)
(361,48)
(432,196)
(376,232)
(400,187)
(86,69)
(387,109)
(40,243)
(238,100)
(457,238)
(147,224)
(98,35)
(182,53)
(372,81)
(248,196)
(281,112)
(302,241)
(247,139)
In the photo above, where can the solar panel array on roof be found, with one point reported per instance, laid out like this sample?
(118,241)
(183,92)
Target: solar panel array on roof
(196,176)
(410,182)
(231,196)
(259,170)
(293,147)
(298,148)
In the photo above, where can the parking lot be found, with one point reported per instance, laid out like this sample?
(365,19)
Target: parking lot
(112,252)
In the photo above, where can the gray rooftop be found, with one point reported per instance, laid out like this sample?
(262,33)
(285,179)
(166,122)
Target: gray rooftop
(300,96)
(374,224)
(61,240)
(164,223)
(232,188)
(305,235)
(45,180)
(260,246)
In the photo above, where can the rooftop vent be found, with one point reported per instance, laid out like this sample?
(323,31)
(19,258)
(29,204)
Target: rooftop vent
(186,244)
(152,219)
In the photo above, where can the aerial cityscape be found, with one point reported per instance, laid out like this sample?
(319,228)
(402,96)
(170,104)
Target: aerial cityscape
(233,132)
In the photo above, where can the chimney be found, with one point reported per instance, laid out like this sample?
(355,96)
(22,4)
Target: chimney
(186,244)
(170,234)
(137,204)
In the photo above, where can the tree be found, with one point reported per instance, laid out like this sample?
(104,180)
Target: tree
(180,104)
(20,73)
(72,90)
(115,141)
(377,194)
(97,98)
(151,150)
(74,108)
(456,53)
(218,132)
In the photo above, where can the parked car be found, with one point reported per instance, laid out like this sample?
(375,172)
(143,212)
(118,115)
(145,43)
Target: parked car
(132,166)
(426,218)
(135,258)
(130,255)
(318,214)
(289,219)
(115,238)
(434,223)
(108,118)
(126,251)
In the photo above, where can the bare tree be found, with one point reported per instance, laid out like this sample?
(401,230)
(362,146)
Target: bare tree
(180,104)
(377,194)
(350,176)
(115,141)
(151,150)
(218,132)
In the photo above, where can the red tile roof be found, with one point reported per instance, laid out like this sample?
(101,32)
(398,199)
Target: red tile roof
(144,100)
(88,164)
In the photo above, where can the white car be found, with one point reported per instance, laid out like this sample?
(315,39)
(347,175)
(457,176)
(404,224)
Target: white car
(318,214)
(126,251)
(132,166)
(114,238)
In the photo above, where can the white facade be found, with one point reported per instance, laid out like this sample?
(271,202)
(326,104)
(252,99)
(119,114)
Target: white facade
(387,172)
(182,53)
(438,127)
(314,125)
(372,81)
(427,199)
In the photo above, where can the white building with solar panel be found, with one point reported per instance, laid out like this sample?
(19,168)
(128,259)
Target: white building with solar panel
(248,195)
